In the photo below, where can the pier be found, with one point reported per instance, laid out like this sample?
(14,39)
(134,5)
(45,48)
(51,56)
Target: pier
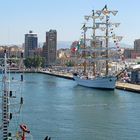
(128,87)
(58,74)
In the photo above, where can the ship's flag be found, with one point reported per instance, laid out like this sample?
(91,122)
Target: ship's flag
(81,44)
(105,11)
(105,8)
(78,45)
(74,49)
(83,26)
(98,12)
(114,12)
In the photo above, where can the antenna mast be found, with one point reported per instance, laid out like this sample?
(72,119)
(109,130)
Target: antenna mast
(5,101)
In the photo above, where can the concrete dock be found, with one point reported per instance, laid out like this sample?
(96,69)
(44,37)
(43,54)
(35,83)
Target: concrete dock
(58,74)
(128,87)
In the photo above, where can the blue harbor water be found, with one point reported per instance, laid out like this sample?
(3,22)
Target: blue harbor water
(59,108)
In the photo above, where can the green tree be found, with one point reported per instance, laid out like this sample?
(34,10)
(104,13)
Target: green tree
(69,64)
(43,62)
(37,61)
(34,62)
(28,62)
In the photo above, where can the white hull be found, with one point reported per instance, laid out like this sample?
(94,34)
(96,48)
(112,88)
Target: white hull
(98,82)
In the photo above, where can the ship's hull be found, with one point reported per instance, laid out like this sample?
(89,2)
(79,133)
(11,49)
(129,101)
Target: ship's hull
(99,82)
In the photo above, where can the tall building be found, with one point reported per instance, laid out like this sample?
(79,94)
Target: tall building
(133,53)
(31,43)
(137,45)
(50,47)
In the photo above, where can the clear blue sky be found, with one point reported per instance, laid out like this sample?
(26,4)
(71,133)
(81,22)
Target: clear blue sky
(17,17)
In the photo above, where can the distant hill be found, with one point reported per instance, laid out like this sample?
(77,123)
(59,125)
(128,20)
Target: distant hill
(122,45)
(67,44)
(63,44)
(60,44)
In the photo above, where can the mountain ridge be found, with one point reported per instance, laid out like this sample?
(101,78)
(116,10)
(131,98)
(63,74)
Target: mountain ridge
(67,44)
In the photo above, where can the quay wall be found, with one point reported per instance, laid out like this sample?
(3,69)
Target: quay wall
(58,74)
(128,87)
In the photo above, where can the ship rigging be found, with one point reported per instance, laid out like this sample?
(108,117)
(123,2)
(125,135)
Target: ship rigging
(8,94)
(99,54)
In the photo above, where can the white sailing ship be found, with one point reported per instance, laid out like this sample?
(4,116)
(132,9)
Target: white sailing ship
(100,56)
(98,82)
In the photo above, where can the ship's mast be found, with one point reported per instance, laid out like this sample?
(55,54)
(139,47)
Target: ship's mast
(84,53)
(107,40)
(94,16)
(107,24)
(5,101)
(85,64)
(103,26)
(94,42)
(107,13)
(6,95)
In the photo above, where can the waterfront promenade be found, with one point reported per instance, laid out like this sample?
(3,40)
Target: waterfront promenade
(119,85)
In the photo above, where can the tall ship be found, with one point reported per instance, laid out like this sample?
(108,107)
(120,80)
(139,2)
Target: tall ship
(10,126)
(96,51)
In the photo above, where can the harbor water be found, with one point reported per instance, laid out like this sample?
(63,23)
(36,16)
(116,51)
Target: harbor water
(62,110)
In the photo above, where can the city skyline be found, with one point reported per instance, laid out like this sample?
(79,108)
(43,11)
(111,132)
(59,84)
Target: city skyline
(18,17)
